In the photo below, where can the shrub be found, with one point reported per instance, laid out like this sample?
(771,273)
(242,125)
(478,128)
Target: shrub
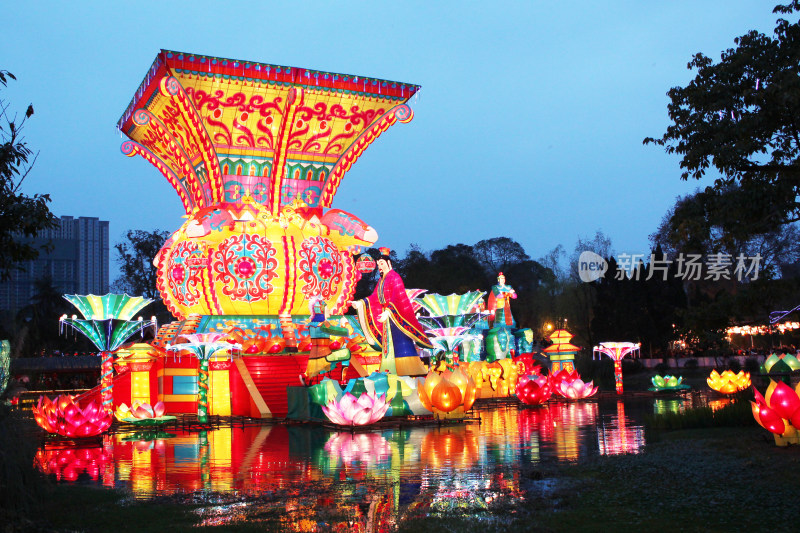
(21,485)
(632,366)
(690,364)
(661,369)
(734,366)
(752,366)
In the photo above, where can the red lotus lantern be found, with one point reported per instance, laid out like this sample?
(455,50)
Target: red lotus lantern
(534,389)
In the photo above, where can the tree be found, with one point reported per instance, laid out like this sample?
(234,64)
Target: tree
(21,216)
(741,116)
(138,274)
(689,227)
(498,253)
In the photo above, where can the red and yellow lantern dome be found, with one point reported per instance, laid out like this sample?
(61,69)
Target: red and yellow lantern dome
(256,153)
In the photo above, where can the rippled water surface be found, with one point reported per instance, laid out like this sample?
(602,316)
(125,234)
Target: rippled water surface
(307,471)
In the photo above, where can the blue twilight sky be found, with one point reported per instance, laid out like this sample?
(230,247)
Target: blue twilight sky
(529,123)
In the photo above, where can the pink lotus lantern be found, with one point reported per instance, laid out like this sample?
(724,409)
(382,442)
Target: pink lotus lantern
(575,389)
(778,411)
(139,411)
(351,411)
(65,418)
(534,389)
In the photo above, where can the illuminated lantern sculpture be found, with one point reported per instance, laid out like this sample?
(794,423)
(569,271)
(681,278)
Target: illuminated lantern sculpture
(667,383)
(728,382)
(452,391)
(778,411)
(446,341)
(204,346)
(256,153)
(616,351)
(351,411)
(534,390)
(561,353)
(575,389)
(780,364)
(65,418)
(107,323)
(143,413)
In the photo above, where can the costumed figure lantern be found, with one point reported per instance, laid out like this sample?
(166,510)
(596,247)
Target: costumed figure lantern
(500,303)
(256,153)
(388,321)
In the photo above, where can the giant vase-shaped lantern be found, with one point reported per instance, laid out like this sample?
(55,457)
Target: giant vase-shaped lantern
(256,153)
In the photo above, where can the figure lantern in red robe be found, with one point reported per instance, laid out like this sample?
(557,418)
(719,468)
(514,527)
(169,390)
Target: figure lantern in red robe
(499,298)
(388,321)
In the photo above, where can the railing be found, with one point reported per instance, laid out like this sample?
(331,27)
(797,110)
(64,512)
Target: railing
(27,399)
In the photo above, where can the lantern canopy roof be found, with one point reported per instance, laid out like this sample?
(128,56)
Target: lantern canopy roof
(223,129)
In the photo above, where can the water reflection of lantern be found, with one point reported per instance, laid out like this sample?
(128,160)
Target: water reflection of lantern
(455,447)
(561,352)
(616,351)
(619,438)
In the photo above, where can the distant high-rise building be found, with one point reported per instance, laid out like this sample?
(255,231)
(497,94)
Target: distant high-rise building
(77,262)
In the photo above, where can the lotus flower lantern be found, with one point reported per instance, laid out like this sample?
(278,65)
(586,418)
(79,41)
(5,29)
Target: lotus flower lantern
(667,383)
(446,392)
(349,410)
(778,411)
(65,418)
(534,389)
(728,382)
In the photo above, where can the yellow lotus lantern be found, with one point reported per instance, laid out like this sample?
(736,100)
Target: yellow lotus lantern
(728,382)
(449,394)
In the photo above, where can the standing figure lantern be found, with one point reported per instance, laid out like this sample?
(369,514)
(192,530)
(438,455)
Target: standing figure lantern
(616,351)
(204,346)
(107,323)
(256,153)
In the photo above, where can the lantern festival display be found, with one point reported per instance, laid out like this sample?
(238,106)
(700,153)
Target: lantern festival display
(449,394)
(616,351)
(256,153)
(667,383)
(561,353)
(778,411)
(63,417)
(728,382)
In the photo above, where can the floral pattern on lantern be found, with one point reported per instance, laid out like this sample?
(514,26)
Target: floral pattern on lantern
(245,265)
(64,417)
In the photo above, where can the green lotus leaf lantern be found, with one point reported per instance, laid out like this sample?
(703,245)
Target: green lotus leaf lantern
(667,383)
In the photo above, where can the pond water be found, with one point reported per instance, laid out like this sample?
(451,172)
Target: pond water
(312,475)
